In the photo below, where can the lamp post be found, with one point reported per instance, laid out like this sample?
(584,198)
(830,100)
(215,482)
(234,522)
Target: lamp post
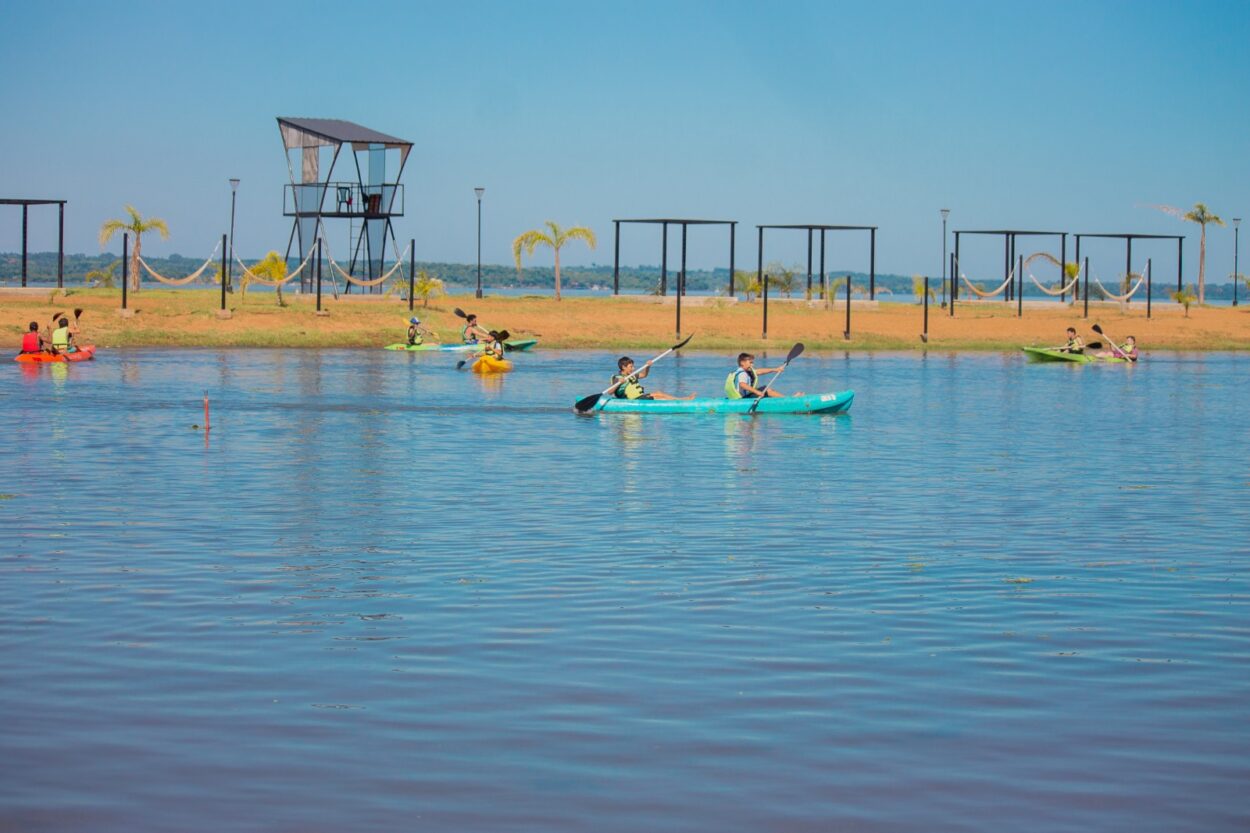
(479,191)
(229,276)
(946,212)
(1236,246)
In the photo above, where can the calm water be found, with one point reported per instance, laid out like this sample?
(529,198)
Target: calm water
(387,596)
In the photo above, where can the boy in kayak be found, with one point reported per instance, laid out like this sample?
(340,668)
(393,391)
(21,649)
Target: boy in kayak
(1128,351)
(493,345)
(744,383)
(626,382)
(414,332)
(1074,345)
(33,341)
(63,337)
(471,333)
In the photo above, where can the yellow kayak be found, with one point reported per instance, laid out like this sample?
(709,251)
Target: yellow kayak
(490,364)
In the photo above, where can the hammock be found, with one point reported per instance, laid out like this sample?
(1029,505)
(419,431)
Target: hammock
(191,278)
(1010,277)
(255,278)
(360,281)
(1049,257)
(1121,298)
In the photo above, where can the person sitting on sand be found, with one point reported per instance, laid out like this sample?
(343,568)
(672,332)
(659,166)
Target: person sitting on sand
(471,333)
(626,382)
(63,337)
(743,383)
(414,332)
(1074,345)
(33,341)
(1128,351)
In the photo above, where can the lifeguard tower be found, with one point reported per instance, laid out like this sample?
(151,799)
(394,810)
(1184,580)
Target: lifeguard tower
(367,202)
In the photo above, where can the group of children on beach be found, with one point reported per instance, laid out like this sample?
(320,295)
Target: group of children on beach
(742,383)
(1127,351)
(62,338)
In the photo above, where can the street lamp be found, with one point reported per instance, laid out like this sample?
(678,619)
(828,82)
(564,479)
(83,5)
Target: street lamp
(946,212)
(1236,246)
(229,276)
(479,191)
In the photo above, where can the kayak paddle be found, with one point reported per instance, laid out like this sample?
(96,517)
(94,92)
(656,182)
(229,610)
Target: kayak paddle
(500,337)
(795,352)
(586,404)
(1114,347)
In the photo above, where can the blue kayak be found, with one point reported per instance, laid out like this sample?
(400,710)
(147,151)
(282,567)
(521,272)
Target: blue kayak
(819,403)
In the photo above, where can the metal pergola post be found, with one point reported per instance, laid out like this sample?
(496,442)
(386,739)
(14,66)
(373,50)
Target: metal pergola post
(664,261)
(732,229)
(872,268)
(764,292)
(1180,258)
(1149,287)
(681,279)
(958,264)
(25,213)
(1063,266)
(809,264)
(824,284)
(1085,290)
(60,247)
(1020,281)
(412,271)
(126,264)
(616,259)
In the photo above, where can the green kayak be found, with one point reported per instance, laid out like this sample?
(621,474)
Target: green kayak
(1047,354)
(511,345)
(820,403)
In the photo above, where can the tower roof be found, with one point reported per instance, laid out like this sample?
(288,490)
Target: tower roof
(297,132)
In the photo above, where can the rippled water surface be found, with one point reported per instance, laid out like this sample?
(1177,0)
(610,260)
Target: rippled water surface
(385,595)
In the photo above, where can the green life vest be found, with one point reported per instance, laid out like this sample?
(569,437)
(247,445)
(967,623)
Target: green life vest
(414,336)
(465,337)
(731,383)
(629,390)
(60,338)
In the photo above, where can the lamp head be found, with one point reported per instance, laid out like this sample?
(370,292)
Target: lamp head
(234,184)
(946,212)
(479,191)
(1236,222)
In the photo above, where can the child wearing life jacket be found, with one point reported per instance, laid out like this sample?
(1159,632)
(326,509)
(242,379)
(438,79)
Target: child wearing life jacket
(626,382)
(33,341)
(415,331)
(1074,345)
(744,383)
(63,337)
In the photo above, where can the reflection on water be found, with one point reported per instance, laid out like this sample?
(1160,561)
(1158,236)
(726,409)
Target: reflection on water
(385,594)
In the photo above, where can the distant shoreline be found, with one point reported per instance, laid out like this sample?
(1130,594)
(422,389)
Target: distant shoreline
(189,318)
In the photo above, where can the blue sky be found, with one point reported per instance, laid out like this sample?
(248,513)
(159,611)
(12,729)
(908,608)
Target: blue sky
(1069,116)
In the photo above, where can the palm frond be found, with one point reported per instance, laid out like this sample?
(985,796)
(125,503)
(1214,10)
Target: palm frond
(110,228)
(581,233)
(1169,209)
(528,241)
(136,219)
(155,224)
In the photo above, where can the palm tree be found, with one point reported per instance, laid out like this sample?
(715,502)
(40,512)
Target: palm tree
(272,268)
(555,237)
(102,277)
(1201,215)
(136,226)
(747,282)
(1184,297)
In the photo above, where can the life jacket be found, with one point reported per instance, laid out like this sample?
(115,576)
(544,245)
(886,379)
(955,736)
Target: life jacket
(60,338)
(1074,345)
(731,383)
(465,337)
(30,342)
(414,336)
(1129,352)
(629,390)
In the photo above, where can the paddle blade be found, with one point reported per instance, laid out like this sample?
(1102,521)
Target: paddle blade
(682,344)
(1098,330)
(460,364)
(459,313)
(1094,345)
(795,352)
(77,313)
(57,315)
(503,335)
(584,405)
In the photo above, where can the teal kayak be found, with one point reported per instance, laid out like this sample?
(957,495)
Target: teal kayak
(819,403)
(512,344)
(1046,354)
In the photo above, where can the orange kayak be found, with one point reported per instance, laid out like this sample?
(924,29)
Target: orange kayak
(82,354)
